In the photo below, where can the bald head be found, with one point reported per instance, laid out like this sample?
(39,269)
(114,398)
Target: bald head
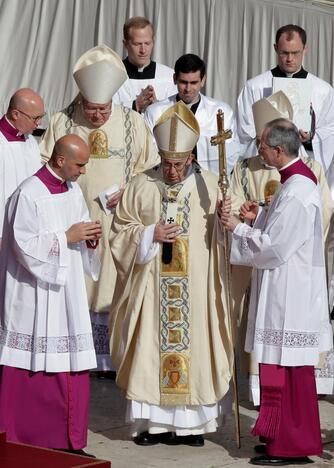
(69,157)
(26,110)
(70,146)
(24,98)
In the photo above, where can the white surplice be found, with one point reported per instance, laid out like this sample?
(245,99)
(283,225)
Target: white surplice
(18,160)
(162,83)
(322,100)
(206,115)
(288,321)
(45,324)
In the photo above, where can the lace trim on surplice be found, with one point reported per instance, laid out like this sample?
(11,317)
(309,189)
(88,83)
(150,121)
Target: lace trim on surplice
(287,338)
(42,344)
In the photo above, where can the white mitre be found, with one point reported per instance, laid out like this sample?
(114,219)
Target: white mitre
(99,73)
(176,132)
(275,106)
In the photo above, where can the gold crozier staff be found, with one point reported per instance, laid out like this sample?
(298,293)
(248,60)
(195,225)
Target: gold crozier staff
(219,140)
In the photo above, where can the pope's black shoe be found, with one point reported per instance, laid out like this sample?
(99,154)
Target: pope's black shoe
(170,438)
(193,440)
(267,460)
(261,448)
(145,438)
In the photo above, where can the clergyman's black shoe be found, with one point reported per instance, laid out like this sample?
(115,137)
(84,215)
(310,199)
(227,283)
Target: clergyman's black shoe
(261,448)
(267,460)
(146,439)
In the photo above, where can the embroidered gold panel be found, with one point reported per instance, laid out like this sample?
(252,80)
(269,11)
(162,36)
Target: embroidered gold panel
(175,351)
(98,144)
(179,264)
(175,379)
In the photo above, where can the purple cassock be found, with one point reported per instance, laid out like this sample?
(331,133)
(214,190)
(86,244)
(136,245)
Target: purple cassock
(289,416)
(42,408)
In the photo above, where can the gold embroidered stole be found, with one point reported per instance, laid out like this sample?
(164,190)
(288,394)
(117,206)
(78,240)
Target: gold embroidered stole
(175,316)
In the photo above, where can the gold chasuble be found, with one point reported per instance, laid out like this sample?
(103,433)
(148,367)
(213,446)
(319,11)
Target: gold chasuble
(169,338)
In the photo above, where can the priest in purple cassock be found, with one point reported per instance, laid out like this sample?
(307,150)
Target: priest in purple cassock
(46,343)
(288,321)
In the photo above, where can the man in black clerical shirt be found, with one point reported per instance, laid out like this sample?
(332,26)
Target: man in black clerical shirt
(290,47)
(148,81)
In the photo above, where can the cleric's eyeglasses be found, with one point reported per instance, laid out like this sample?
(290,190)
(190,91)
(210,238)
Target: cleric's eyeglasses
(36,119)
(95,110)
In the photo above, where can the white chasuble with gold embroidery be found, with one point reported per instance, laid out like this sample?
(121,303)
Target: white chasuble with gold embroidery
(169,338)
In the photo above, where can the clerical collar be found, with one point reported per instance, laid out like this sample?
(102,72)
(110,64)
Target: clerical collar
(60,179)
(51,180)
(277,72)
(136,73)
(293,161)
(192,106)
(296,166)
(9,131)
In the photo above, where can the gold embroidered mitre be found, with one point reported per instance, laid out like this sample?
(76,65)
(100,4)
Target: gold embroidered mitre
(176,132)
(99,73)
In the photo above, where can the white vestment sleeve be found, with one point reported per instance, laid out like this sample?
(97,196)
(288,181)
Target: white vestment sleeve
(149,118)
(91,261)
(147,249)
(245,122)
(270,248)
(3,198)
(44,254)
(90,256)
(323,139)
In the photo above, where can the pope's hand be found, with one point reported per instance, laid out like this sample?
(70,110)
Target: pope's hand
(166,232)
(85,230)
(224,207)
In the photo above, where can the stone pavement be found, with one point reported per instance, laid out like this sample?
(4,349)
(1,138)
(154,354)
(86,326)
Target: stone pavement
(109,436)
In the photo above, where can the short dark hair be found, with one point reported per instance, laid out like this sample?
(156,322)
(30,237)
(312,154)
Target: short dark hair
(290,29)
(189,63)
(136,22)
(284,133)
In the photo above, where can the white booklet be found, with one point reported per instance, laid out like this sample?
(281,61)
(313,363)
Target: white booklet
(298,91)
(105,195)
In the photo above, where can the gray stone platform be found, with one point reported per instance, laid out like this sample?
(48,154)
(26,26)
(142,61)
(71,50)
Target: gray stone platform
(109,436)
